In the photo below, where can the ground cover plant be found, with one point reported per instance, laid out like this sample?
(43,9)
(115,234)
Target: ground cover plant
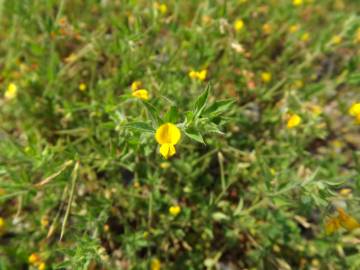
(219,134)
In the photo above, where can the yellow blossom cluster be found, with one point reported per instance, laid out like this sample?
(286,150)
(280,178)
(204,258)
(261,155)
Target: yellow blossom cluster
(200,75)
(139,92)
(35,260)
(343,219)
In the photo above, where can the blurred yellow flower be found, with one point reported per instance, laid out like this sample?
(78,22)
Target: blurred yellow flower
(155,264)
(294,28)
(336,40)
(294,121)
(11,91)
(136,85)
(164,165)
(34,259)
(167,135)
(174,210)
(44,221)
(238,25)
(266,77)
(141,94)
(355,109)
(193,74)
(305,37)
(42,266)
(297,2)
(332,225)
(161,7)
(200,75)
(347,221)
(2,225)
(82,87)
(266,28)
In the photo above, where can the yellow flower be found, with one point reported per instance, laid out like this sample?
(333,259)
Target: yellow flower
(305,37)
(155,264)
(193,74)
(238,25)
(167,150)
(2,225)
(202,75)
(354,109)
(82,86)
(345,192)
(136,85)
(266,77)
(315,109)
(167,135)
(141,94)
(42,266)
(294,121)
(336,40)
(44,221)
(266,28)
(34,259)
(164,165)
(332,225)
(11,91)
(161,7)
(174,210)
(347,221)
(294,28)
(297,2)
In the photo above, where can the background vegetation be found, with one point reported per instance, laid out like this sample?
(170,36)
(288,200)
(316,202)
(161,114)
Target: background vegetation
(261,92)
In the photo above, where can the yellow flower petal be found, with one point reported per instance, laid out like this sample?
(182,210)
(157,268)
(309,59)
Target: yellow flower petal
(167,150)
(238,25)
(155,264)
(174,210)
(266,77)
(136,85)
(193,74)
(354,109)
(82,87)
(294,121)
(11,91)
(332,225)
(202,75)
(297,2)
(347,221)
(168,134)
(141,94)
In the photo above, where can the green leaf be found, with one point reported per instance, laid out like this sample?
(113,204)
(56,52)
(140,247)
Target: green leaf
(172,115)
(194,135)
(200,103)
(142,126)
(153,113)
(219,107)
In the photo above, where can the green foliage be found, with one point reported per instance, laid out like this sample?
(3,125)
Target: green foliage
(82,183)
